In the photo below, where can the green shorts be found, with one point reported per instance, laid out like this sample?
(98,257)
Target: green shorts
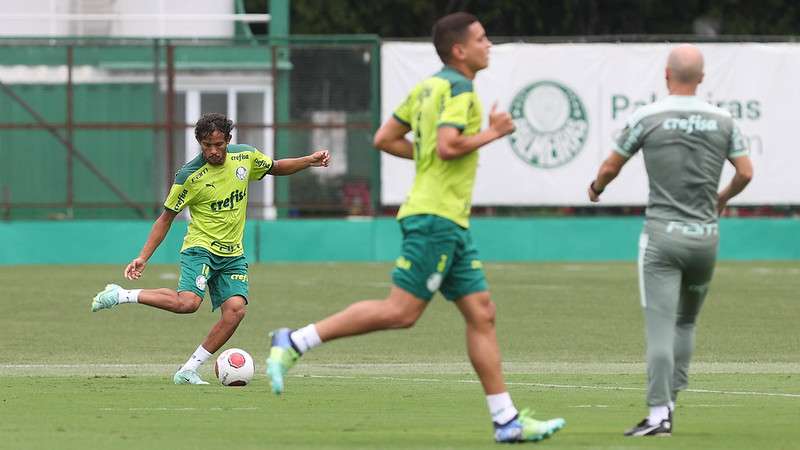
(224,276)
(437,255)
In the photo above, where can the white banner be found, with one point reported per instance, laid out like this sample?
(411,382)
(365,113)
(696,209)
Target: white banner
(570,100)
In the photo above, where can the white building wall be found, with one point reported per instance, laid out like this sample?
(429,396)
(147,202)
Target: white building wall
(10,26)
(45,18)
(175,28)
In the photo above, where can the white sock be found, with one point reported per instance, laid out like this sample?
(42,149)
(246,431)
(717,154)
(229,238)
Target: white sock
(198,357)
(671,406)
(305,338)
(501,408)
(128,296)
(657,414)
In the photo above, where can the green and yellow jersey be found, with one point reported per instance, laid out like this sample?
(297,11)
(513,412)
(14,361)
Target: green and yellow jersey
(217,198)
(442,188)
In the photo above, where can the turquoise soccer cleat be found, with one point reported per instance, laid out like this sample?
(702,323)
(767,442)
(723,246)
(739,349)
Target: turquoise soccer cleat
(282,356)
(527,429)
(107,298)
(188,377)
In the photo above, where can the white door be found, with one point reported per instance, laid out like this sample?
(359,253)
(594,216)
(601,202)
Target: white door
(246,105)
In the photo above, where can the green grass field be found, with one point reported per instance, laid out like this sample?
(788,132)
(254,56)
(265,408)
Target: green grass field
(571,334)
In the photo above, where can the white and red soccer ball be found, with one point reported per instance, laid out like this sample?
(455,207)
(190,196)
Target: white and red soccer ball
(234,367)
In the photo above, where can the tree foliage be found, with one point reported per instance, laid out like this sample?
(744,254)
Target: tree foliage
(414,18)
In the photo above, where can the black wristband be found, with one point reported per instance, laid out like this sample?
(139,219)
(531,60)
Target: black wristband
(596,192)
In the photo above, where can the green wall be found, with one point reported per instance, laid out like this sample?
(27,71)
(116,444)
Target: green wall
(499,239)
(35,167)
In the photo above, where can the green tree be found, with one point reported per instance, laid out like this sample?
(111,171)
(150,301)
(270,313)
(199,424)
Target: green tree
(414,18)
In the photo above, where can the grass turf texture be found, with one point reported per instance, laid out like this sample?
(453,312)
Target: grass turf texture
(571,335)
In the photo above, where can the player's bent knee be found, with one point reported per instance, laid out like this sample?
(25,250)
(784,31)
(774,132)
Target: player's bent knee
(405,321)
(490,312)
(485,317)
(188,302)
(190,306)
(399,317)
(401,309)
(234,315)
(479,309)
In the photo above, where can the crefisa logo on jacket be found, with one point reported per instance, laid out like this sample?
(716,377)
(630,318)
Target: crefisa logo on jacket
(552,125)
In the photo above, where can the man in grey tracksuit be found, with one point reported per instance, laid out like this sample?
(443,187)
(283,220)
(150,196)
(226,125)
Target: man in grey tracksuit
(685,142)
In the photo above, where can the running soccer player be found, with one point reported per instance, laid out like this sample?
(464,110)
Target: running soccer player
(444,114)
(685,142)
(214,187)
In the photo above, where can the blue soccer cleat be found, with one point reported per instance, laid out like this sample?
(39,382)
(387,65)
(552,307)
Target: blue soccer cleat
(282,356)
(527,429)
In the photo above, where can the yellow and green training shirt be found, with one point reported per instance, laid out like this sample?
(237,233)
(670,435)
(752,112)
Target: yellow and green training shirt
(217,198)
(442,188)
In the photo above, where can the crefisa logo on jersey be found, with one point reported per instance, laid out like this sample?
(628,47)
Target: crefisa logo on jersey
(181,198)
(552,124)
(693,123)
(241,173)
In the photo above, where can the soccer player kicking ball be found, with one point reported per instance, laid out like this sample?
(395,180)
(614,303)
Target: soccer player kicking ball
(444,114)
(685,142)
(214,187)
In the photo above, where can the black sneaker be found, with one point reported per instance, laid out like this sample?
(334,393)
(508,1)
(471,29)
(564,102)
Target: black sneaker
(643,428)
(671,422)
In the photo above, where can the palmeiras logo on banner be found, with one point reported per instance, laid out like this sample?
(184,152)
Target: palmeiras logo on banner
(552,125)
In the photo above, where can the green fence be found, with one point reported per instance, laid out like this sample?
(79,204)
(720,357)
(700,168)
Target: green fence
(96,127)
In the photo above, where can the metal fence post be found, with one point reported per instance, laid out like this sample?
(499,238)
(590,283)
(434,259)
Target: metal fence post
(170,111)
(70,133)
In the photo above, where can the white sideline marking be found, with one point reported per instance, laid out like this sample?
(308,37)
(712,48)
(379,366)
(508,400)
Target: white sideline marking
(546,368)
(550,385)
(454,368)
(162,408)
(682,406)
(371,371)
(721,405)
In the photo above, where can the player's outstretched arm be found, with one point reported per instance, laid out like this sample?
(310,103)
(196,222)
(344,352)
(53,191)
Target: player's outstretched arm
(288,166)
(391,138)
(451,144)
(606,174)
(743,175)
(157,233)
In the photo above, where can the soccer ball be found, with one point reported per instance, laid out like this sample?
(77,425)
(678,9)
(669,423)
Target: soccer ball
(234,367)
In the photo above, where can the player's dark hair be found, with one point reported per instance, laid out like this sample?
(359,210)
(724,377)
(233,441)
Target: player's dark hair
(450,30)
(211,122)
